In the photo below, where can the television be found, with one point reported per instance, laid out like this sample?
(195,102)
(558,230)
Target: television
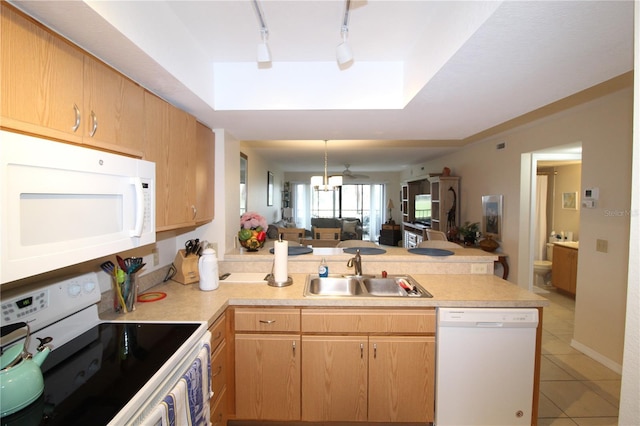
(422,208)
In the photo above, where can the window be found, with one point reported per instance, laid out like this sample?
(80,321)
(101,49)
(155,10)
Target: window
(364,202)
(244,181)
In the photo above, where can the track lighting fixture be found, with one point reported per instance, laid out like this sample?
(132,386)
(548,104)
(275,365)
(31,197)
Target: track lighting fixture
(343,51)
(264,54)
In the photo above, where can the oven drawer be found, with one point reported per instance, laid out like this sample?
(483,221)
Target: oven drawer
(267,319)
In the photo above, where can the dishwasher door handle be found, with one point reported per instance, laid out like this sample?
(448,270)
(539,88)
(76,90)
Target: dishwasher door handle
(489,324)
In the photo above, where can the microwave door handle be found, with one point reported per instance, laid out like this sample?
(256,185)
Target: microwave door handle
(137,230)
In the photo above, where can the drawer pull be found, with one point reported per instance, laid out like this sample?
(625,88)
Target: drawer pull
(361,350)
(219,335)
(217,373)
(375,350)
(267,321)
(293,348)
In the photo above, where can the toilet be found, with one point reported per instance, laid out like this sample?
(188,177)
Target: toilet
(542,269)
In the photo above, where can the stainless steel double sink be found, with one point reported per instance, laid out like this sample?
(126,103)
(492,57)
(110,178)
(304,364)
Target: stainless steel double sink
(363,286)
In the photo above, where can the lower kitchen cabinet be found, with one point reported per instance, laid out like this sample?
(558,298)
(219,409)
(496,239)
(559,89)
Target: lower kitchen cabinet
(267,377)
(375,365)
(401,378)
(267,363)
(334,382)
(341,365)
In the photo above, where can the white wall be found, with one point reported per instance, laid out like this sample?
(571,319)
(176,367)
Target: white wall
(257,189)
(604,127)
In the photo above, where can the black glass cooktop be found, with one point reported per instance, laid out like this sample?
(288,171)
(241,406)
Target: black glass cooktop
(91,378)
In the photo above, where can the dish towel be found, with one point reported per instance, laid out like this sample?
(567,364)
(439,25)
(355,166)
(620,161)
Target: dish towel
(188,402)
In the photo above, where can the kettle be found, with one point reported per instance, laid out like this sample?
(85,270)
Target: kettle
(21,381)
(208,270)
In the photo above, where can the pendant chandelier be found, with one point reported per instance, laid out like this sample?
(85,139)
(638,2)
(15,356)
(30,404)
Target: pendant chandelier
(326,183)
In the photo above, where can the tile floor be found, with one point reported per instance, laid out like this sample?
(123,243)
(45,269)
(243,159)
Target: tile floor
(574,389)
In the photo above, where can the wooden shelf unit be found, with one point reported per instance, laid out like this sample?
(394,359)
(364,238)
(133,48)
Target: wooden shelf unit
(442,200)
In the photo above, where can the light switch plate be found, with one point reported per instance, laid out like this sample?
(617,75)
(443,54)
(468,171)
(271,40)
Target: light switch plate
(602,246)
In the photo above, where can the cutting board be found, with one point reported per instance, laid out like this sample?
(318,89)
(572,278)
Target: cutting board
(245,278)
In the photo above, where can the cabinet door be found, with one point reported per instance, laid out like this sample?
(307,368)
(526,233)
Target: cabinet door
(401,378)
(564,269)
(182,168)
(156,149)
(113,113)
(334,386)
(41,79)
(267,377)
(205,173)
(169,141)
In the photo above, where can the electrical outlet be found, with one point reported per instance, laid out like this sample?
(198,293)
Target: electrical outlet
(602,245)
(156,256)
(478,268)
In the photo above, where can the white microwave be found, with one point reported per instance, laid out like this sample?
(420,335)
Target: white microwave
(63,204)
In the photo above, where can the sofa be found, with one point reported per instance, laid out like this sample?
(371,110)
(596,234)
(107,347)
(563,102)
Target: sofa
(351,227)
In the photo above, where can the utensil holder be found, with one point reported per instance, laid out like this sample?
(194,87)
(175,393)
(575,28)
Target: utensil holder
(125,292)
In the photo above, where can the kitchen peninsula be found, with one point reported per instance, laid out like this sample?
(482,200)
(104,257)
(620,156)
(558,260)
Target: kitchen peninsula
(264,330)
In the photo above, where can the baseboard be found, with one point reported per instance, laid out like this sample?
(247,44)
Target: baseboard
(596,356)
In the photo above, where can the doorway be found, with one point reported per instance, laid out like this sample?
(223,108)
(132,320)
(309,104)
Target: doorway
(528,204)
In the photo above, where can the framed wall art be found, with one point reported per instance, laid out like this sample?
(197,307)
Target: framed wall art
(492,216)
(570,200)
(269,189)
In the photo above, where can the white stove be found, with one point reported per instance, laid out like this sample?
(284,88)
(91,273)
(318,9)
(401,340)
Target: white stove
(102,372)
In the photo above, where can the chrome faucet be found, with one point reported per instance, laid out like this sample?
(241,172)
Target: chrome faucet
(356,262)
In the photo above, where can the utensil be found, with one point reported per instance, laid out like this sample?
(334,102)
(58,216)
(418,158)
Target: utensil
(20,373)
(121,263)
(108,267)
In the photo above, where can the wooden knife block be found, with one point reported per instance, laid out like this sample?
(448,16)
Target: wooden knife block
(186,268)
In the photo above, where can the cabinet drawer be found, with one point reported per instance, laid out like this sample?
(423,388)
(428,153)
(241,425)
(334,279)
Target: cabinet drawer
(219,409)
(418,321)
(219,369)
(258,319)
(218,332)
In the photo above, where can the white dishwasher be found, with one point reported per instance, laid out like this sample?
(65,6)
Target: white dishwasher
(485,362)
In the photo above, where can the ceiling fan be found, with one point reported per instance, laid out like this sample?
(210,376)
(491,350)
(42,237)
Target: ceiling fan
(349,174)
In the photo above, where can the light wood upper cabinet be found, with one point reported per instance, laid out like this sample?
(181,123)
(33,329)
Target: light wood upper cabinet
(205,173)
(113,112)
(267,376)
(169,141)
(41,79)
(334,385)
(54,89)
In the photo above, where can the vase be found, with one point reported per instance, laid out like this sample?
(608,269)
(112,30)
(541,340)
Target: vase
(489,244)
(251,242)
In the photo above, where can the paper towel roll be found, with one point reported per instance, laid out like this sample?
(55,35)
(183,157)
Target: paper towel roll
(281,252)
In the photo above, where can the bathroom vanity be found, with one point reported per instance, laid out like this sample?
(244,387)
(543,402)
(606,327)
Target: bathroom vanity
(564,270)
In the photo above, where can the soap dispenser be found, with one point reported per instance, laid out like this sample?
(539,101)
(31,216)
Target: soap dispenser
(323,269)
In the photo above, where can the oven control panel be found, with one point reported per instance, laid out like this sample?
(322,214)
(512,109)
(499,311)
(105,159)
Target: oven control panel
(42,304)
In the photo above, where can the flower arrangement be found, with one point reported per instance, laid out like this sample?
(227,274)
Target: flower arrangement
(252,233)
(252,220)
